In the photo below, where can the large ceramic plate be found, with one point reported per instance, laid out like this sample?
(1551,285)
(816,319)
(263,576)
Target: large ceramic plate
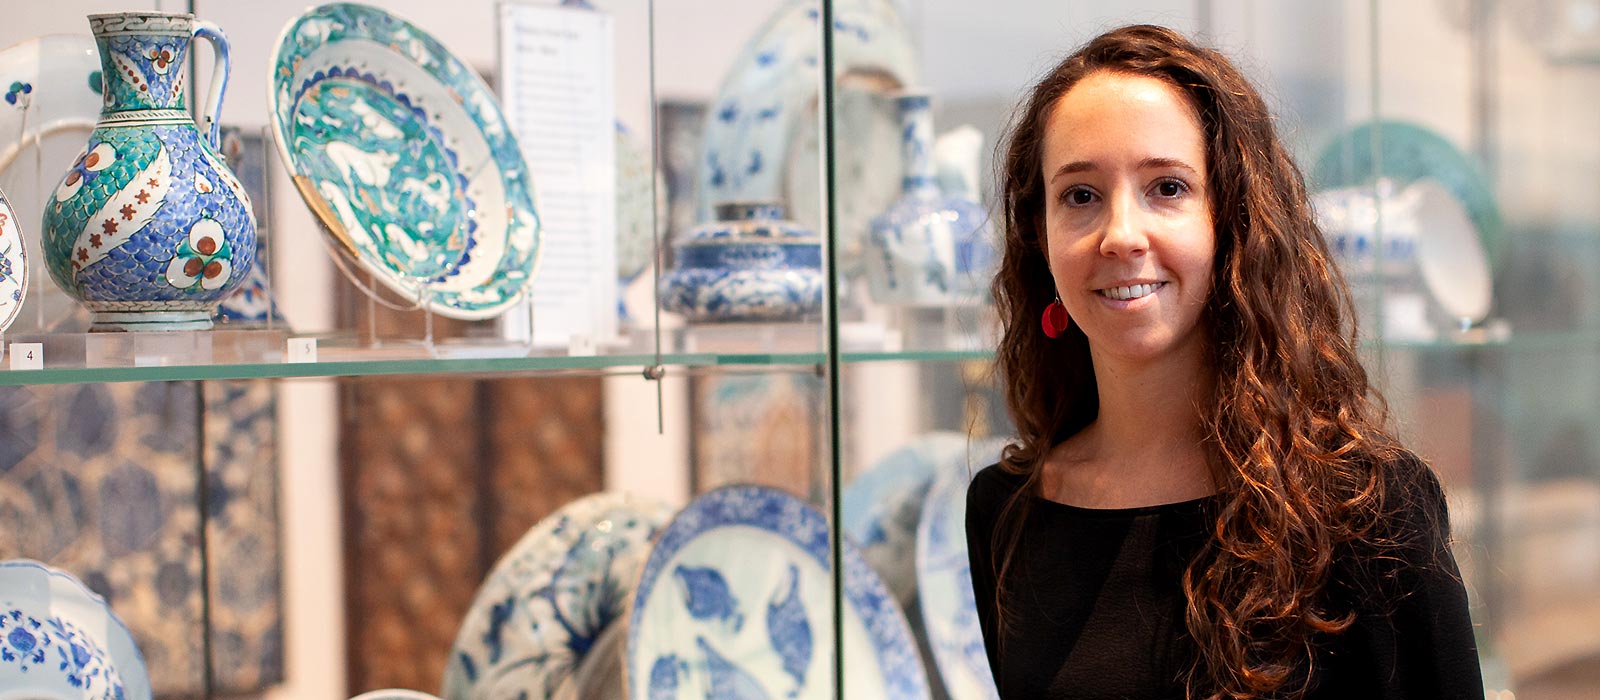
(761,140)
(547,601)
(50,83)
(13,265)
(734,603)
(403,153)
(35,598)
(944,583)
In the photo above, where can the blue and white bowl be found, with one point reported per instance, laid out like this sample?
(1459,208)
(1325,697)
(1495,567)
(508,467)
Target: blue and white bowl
(1371,229)
(749,265)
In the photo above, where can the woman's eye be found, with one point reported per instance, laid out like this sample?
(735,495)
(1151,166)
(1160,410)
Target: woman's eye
(1170,188)
(1077,196)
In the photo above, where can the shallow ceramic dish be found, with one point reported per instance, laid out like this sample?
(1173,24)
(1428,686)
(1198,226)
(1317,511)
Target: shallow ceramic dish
(50,614)
(50,83)
(734,603)
(13,265)
(944,584)
(404,155)
(761,136)
(549,598)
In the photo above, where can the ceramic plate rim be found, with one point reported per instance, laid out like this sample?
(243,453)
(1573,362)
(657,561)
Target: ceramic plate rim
(953,488)
(119,643)
(9,310)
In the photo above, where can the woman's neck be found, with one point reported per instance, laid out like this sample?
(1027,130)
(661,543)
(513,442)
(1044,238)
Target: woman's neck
(1146,445)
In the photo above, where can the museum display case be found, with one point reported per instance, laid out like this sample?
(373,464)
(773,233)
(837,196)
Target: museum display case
(643,348)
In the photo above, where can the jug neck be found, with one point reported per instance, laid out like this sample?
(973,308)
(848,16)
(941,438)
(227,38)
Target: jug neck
(143,59)
(916,144)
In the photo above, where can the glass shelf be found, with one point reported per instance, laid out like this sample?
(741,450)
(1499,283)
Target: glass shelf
(230,354)
(73,358)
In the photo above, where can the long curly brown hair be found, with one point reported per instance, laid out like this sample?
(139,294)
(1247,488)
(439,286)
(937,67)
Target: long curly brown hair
(1294,433)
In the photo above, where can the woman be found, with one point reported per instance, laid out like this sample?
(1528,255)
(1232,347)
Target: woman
(1202,501)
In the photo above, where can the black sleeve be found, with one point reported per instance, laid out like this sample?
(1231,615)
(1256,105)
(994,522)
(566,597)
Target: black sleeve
(1418,641)
(986,495)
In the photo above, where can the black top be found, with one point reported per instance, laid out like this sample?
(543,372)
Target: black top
(1096,606)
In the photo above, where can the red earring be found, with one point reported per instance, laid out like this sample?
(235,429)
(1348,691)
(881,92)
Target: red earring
(1055,319)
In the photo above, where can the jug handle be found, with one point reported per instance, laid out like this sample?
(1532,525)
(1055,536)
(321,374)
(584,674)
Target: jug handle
(211,115)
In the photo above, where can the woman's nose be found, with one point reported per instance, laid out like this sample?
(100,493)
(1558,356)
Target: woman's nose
(1124,234)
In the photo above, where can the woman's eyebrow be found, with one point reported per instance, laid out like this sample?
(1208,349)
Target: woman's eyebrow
(1151,163)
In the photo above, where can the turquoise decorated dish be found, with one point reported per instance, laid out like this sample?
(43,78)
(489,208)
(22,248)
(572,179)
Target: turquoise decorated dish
(403,153)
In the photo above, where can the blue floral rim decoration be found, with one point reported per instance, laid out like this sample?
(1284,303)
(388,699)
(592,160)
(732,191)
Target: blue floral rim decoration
(26,577)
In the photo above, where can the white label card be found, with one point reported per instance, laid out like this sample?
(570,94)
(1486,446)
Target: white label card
(301,350)
(557,84)
(27,356)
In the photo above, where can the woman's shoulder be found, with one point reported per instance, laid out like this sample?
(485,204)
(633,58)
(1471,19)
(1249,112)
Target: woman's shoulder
(997,481)
(1408,544)
(990,489)
(1414,509)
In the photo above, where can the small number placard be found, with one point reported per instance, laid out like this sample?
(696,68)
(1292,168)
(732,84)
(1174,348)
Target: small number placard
(302,350)
(27,356)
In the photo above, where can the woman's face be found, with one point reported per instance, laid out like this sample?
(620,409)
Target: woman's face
(1127,217)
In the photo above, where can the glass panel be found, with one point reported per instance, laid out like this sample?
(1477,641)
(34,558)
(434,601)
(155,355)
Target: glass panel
(1509,89)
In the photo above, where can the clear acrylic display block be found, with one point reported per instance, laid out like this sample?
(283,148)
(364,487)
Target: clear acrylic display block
(158,349)
(751,338)
(943,328)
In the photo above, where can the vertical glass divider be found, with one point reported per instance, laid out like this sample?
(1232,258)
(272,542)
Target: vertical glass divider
(655,372)
(1380,295)
(830,324)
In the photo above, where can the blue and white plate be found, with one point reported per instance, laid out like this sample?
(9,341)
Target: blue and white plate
(944,584)
(882,506)
(546,602)
(403,153)
(761,136)
(60,640)
(13,265)
(734,604)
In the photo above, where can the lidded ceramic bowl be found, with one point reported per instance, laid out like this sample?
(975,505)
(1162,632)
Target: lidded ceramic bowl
(751,264)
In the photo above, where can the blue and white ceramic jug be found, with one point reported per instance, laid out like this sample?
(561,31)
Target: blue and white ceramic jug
(928,248)
(149,229)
